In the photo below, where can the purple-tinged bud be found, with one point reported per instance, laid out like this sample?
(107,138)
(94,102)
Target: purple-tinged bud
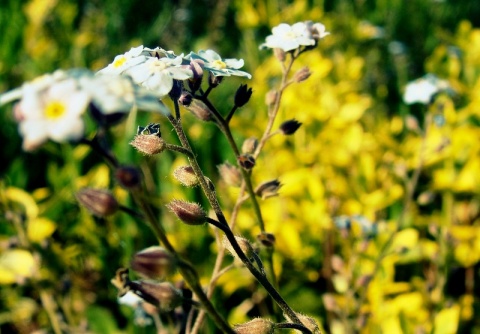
(185,99)
(214,80)
(268,189)
(242,95)
(244,244)
(249,145)
(271,98)
(100,203)
(290,127)
(279,54)
(230,174)
(255,326)
(128,176)
(148,144)
(154,263)
(186,176)
(266,239)
(246,161)
(196,65)
(189,213)
(163,295)
(302,74)
(176,90)
(200,110)
(308,322)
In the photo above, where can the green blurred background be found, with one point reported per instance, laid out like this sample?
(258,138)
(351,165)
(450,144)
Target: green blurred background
(352,156)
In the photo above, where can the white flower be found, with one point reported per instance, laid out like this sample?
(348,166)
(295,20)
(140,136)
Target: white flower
(423,89)
(289,38)
(52,112)
(157,74)
(130,299)
(218,66)
(123,62)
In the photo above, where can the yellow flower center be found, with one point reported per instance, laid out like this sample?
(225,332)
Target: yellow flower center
(289,35)
(119,62)
(219,65)
(157,66)
(55,110)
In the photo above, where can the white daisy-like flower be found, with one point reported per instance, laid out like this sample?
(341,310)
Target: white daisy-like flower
(218,66)
(52,112)
(157,74)
(423,89)
(121,63)
(288,38)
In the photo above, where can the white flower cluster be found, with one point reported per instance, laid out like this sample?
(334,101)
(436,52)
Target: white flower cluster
(288,38)
(423,89)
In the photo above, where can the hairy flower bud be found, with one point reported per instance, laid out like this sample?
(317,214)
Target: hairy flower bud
(100,203)
(163,295)
(246,161)
(189,213)
(186,176)
(266,239)
(242,95)
(200,110)
(128,176)
(244,244)
(268,189)
(271,98)
(302,74)
(249,145)
(255,326)
(290,127)
(230,174)
(153,263)
(148,144)
(308,322)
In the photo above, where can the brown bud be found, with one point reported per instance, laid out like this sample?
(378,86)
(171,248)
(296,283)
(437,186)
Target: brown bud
(153,263)
(255,326)
(302,74)
(290,127)
(308,322)
(100,203)
(266,239)
(279,54)
(128,176)
(186,176)
(189,213)
(148,144)
(246,161)
(249,145)
(200,110)
(244,244)
(268,189)
(214,80)
(185,99)
(163,295)
(271,98)
(230,174)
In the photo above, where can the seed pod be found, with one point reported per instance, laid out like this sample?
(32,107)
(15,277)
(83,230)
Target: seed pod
(128,176)
(186,176)
(200,110)
(246,161)
(189,213)
(271,98)
(100,203)
(268,189)
(266,239)
(249,145)
(308,322)
(230,174)
(163,295)
(153,263)
(242,95)
(148,144)
(302,74)
(255,326)
(290,127)
(244,244)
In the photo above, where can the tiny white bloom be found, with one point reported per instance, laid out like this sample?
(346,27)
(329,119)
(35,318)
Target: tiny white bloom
(423,89)
(123,62)
(51,113)
(130,299)
(218,66)
(289,38)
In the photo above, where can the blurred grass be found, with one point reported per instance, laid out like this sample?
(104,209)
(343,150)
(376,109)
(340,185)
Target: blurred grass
(353,155)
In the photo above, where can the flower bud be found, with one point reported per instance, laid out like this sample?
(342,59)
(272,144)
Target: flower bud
(246,161)
(185,99)
(308,322)
(163,295)
(255,326)
(230,174)
(189,213)
(244,244)
(176,90)
(290,127)
(302,74)
(153,263)
(242,96)
(128,176)
(266,239)
(148,144)
(100,203)
(186,176)
(214,80)
(271,98)
(200,110)
(249,145)
(279,54)
(268,189)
